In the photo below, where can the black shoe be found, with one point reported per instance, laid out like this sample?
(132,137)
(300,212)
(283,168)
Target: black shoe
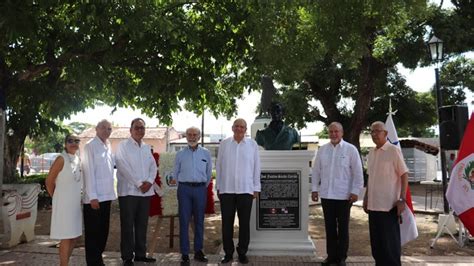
(227,259)
(128,263)
(243,259)
(328,262)
(145,259)
(185,258)
(199,256)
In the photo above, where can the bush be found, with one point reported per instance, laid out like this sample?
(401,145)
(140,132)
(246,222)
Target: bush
(39,179)
(44,200)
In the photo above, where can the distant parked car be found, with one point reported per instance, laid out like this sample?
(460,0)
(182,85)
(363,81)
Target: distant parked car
(43,162)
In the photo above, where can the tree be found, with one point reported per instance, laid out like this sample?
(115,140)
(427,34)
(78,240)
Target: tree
(454,26)
(456,76)
(49,141)
(61,57)
(46,142)
(335,58)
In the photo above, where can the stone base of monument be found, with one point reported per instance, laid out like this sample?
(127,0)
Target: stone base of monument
(279,220)
(280,246)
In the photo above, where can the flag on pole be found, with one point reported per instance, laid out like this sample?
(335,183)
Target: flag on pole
(408,229)
(460,192)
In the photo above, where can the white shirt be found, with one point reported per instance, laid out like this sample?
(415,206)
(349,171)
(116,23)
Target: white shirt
(337,171)
(135,165)
(98,166)
(238,167)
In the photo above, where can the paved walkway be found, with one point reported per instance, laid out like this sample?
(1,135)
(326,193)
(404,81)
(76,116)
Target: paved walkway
(42,251)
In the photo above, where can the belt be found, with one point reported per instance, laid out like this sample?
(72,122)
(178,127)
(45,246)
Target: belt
(193,184)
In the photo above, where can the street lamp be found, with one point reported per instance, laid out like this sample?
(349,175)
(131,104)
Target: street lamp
(436,51)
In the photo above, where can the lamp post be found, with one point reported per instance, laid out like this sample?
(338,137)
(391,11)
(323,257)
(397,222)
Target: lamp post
(436,51)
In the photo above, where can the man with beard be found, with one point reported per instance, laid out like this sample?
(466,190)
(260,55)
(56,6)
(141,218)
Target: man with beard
(192,171)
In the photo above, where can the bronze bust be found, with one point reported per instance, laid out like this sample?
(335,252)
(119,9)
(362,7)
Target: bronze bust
(277,136)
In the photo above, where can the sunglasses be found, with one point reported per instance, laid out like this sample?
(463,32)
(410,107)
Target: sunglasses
(71,141)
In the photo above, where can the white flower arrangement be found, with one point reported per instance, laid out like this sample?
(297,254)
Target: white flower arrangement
(169,200)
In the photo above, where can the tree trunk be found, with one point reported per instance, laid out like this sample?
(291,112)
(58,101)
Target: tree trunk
(12,150)
(370,70)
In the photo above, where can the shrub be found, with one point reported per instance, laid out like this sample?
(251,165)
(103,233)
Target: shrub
(44,200)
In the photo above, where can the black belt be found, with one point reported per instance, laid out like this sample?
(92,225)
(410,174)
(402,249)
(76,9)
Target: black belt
(193,184)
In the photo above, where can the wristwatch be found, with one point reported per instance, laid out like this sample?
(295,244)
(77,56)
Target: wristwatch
(401,200)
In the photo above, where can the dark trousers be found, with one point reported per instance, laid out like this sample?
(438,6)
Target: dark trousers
(336,221)
(133,226)
(242,204)
(96,231)
(192,203)
(385,237)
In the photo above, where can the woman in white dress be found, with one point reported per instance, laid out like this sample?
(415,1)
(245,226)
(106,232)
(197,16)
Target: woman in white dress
(64,184)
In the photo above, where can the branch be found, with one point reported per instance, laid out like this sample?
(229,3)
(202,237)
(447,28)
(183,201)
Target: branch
(34,71)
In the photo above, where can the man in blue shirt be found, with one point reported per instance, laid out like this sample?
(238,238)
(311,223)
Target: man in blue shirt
(192,171)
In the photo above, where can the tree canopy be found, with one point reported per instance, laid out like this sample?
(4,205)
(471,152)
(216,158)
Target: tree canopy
(58,58)
(336,60)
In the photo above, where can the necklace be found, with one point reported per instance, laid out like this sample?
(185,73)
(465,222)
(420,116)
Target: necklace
(77,176)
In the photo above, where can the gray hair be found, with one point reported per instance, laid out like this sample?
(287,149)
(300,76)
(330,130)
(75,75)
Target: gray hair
(193,128)
(378,124)
(240,120)
(337,124)
(103,121)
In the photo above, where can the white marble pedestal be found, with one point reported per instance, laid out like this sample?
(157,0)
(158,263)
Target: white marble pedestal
(279,225)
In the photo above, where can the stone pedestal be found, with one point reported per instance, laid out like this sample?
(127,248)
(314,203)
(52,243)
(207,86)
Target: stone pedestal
(279,221)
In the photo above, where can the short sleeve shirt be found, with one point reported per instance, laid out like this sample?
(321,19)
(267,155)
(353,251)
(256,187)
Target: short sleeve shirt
(385,168)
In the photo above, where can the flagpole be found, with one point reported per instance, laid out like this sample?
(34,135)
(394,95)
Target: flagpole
(408,229)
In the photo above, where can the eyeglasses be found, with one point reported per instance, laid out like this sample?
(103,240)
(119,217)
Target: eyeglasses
(71,141)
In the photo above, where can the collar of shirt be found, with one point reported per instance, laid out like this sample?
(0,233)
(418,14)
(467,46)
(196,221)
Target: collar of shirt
(106,144)
(339,145)
(384,147)
(191,148)
(132,140)
(244,140)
